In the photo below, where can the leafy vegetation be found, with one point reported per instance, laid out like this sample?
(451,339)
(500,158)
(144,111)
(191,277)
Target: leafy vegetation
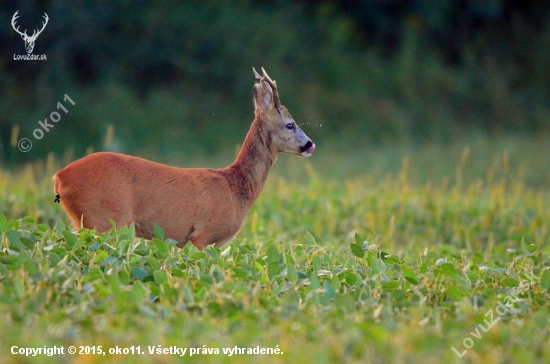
(366,269)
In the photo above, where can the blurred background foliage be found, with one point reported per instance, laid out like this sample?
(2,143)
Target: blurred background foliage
(174,79)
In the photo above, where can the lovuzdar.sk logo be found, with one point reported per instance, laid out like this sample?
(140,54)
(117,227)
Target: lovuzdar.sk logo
(29,40)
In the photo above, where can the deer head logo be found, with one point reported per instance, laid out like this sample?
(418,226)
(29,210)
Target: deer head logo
(29,41)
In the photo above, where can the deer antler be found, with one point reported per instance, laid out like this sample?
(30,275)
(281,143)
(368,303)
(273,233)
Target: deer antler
(273,85)
(256,74)
(35,34)
(13,19)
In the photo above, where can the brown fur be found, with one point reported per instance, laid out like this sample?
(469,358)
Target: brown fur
(205,206)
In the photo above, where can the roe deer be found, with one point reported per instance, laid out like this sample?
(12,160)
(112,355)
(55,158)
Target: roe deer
(205,206)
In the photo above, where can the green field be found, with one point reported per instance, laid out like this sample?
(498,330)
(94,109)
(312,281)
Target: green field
(416,252)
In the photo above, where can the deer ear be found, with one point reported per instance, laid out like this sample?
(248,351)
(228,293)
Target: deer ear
(263,97)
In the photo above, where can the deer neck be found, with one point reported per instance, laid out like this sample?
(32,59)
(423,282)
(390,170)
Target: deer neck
(254,161)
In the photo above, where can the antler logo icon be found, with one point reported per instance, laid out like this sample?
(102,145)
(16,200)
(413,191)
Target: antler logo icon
(29,41)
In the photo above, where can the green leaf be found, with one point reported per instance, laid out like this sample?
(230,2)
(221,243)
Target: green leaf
(101,255)
(161,245)
(407,272)
(259,267)
(43,227)
(454,294)
(18,287)
(316,263)
(206,278)
(158,232)
(160,277)
(122,245)
(124,277)
(29,219)
(398,294)
(357,250)
(291,273)
(390,286)
(70,238)
(314,281)
(54,259)
(336,283)
(153,262)
(13,237)
(524,247)
(28,243)
(95,246)
(114,282)
(78,245)
(545,280)
(375,264)
(449,270)
(218,275)
(147,311)
(509,282)
(139,273)
(310,238)
(329,290)
(351,278)
(272,269)
(241,273)
(138,293)
(132,233)
(31,267)
(198,255)
(3,223)
(273,254)
(188,294)
(177,272)
(358,240)
(59,227)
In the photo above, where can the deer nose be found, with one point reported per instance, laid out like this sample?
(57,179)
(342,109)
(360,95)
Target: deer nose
(309,147)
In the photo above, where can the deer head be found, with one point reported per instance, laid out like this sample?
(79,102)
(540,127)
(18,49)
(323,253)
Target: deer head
(29,41)
(284,133)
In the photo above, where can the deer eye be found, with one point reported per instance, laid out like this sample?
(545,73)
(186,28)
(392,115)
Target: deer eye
(290,126)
